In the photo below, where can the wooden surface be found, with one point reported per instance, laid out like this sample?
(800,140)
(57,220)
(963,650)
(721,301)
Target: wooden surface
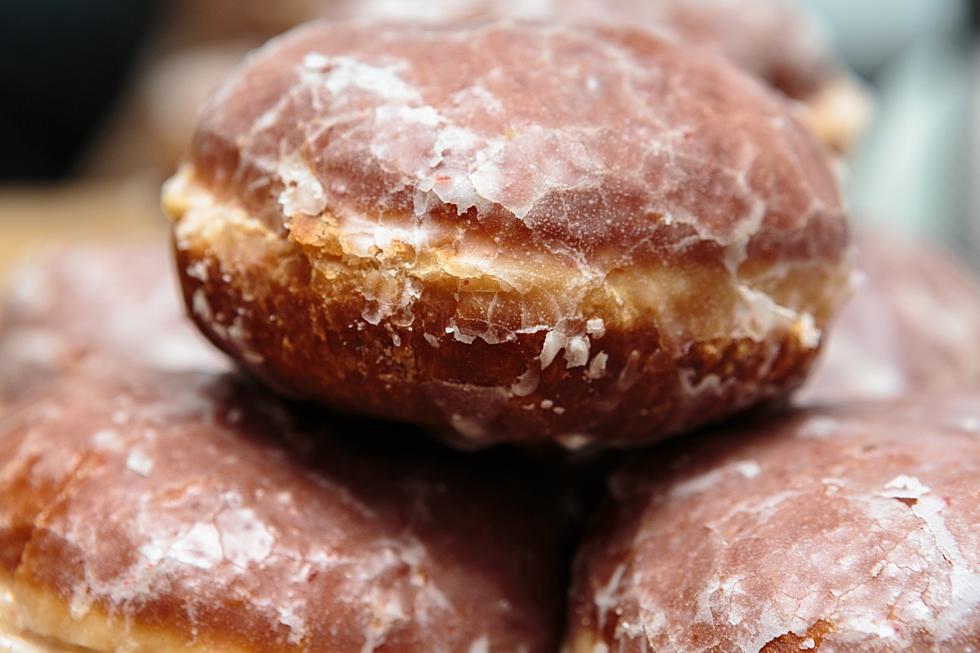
(91,212)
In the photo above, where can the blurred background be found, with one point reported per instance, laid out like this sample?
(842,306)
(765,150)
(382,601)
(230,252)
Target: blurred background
(99,97)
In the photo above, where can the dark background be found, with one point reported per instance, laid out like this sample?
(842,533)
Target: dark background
(63,63)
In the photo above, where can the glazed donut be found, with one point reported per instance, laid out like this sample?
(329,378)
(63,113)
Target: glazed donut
(912,326)
(619,242)
(848,529)
(188,512)
(95,305)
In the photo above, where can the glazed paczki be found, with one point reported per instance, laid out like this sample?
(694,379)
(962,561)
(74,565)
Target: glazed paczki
(189,512)
(108,305)
(855,528)
(912,326)
(511,232)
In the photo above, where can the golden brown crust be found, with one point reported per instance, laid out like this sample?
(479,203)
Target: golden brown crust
(15,640)
(810,639)
(476,393)
(624,242)
(840,112)
(846,529)
(194,513)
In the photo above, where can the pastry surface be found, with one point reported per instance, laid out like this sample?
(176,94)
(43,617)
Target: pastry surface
(848,529)
(191,512)
(911,326)
(520,233)
(95,305)
(779,41)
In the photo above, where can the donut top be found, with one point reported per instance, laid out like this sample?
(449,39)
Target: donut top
(199,510)
(855,526)
(596,147)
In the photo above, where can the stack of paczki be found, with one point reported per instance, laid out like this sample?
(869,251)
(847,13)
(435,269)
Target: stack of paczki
(441,258)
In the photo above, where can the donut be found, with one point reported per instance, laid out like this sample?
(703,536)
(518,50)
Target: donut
(911,327)
(188,512)
(622,241)
(854,528)
(95,305)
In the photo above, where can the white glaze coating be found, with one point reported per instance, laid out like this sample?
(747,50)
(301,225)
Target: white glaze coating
(189,513)
(852,529)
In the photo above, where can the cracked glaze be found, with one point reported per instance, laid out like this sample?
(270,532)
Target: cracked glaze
(778,40)
(181,512)
(116,305)
(426,206)
(851,529)
(911,326)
